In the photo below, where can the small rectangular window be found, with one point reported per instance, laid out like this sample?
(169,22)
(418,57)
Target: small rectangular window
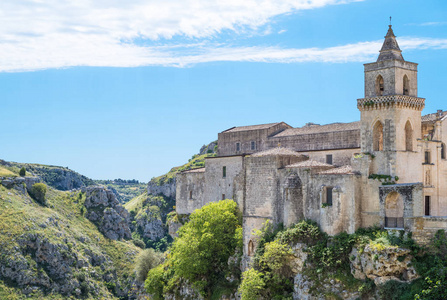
(224,172)
(238,146)
(223,196)
(329,159)
(190,195)
(427,157)
(253,145)
(427,206)
(329,195)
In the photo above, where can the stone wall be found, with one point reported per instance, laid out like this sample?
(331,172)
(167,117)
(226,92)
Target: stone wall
(227,139)
(348,139)
(190,191)
(218,187)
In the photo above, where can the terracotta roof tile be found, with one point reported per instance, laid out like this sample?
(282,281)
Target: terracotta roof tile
(309,129)
(251,127)
(341,170)
(199,170)
(434,116)
(309,164)
(277,151)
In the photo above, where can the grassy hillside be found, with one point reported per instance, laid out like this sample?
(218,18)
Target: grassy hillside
(41,243)
(195,162)
(125,189)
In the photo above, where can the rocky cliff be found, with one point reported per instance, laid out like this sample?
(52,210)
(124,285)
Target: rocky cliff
(55,252)
(57,177)
(104,210)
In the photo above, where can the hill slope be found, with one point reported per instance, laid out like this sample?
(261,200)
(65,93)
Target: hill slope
(54,251)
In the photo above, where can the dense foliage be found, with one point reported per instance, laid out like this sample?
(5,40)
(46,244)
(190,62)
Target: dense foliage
(200,254)
(38,192)
(146,260)
(22,171)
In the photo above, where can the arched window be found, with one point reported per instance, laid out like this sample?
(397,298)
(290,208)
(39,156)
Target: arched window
(406,85)
(408,137)
(378,136)
(394,210)
(442,151)
(379,85)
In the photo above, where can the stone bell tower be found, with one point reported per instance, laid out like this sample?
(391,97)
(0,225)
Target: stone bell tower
(391,113)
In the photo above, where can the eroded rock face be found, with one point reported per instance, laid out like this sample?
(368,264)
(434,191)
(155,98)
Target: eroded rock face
(106,212)
(167,189)
(381,265)
(22,184)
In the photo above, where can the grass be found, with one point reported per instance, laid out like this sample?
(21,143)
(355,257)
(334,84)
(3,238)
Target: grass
(136,203)
(4,172)
(196,162)
(19,214)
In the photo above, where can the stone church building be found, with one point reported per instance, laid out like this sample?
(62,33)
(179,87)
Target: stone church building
(388,169)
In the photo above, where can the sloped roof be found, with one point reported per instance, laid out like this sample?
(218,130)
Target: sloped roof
(390,48)
(314,128)
(199,170)
(277,151)
(434,116)
(309,164)
(341,170)
(252,127)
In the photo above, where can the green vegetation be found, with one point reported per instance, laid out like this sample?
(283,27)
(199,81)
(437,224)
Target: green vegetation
(200,254)
(196,161)
(38,192)
(385,179)
(22,172)
(328,259)
(6,172)
(62,225)
(146,260)
(150,210)
(124,189)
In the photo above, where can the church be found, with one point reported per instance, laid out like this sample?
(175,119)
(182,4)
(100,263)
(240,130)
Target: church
(389,169)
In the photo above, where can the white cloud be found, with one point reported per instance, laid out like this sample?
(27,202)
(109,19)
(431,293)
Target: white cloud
(42,34)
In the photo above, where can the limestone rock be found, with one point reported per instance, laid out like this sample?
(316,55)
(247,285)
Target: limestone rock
(106,212)
(167,189)
(381,265)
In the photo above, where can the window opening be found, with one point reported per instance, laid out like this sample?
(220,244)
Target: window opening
(224,172)
(329,196)
(238,146)
(190,195)
(406,85)
(442,151)
(253,145)
(427,206)
(379,85)
(378,136)
(223,196)
(329,159)
(427,157)
(408,137)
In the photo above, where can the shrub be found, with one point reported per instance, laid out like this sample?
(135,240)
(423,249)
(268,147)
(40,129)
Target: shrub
(155,282)
(38,192)
(22,171)
(147,260)
(303,232)
(252,285)
(139,243)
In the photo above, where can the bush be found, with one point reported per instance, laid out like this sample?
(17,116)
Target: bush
(155,282)
(147,260)
(302,232)
(22,171)
(252,285)
(139,243)
(38,192)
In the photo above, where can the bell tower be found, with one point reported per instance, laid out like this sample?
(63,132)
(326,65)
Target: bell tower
(391,112)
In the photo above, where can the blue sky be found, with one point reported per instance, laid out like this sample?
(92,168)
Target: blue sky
(129,90)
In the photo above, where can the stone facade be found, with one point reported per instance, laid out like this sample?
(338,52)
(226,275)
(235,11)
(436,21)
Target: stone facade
(388,169)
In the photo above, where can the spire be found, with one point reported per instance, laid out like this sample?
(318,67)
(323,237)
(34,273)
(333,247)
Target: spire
(390,48)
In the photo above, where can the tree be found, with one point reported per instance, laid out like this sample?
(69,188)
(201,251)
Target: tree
(200,253)
(147,260)
(38,192)
(22,171)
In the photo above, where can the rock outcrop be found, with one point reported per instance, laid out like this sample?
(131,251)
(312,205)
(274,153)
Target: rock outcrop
(106,212)
(22,184)
(382,264)
(166,189)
